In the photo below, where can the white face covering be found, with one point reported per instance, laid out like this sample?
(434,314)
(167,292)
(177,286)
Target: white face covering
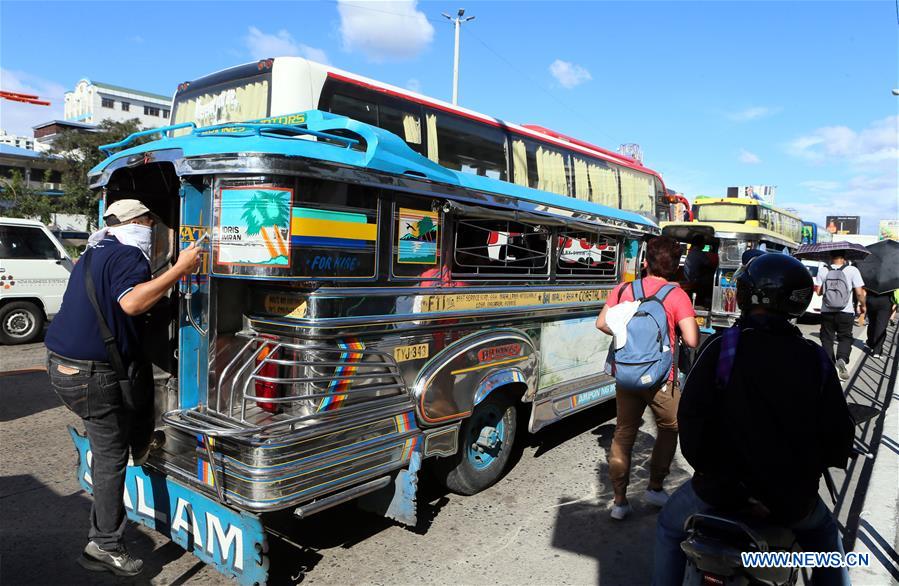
(134,235)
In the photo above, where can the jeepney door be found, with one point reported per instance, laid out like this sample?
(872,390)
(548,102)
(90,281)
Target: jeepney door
(193,339)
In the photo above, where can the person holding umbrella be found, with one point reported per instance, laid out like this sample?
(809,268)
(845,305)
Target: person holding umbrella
(880,271)
(836,283)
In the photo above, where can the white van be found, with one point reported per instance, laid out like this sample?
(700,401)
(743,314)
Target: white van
(34,272)
(813,267)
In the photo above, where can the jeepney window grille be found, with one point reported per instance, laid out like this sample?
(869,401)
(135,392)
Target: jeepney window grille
(587,255)
(499,247)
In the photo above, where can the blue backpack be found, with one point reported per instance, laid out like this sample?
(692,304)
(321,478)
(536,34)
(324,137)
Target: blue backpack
(646,359)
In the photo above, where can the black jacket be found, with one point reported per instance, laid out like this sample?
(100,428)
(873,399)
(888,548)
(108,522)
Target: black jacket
(771,433)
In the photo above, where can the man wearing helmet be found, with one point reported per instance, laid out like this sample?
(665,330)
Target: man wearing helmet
(758,438)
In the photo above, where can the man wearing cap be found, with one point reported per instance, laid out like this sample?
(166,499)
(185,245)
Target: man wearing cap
(87,383)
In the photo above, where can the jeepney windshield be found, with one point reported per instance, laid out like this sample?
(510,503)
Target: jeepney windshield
(722,212)
(731,251)
(230,101)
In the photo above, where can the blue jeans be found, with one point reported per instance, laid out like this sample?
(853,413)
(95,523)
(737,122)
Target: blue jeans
(817,532)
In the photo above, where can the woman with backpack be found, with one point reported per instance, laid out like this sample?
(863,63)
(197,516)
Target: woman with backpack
(644,369)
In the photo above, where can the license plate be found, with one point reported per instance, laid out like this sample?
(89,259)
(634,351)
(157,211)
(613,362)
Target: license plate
(413,352)
(230,540)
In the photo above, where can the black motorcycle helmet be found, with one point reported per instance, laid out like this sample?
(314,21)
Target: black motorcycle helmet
(776,282)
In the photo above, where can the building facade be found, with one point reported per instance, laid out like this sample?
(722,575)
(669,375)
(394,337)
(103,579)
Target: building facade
(45,134)
(91,102)
(22,142)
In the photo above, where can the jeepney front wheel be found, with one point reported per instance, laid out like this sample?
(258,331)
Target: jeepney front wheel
(485,445)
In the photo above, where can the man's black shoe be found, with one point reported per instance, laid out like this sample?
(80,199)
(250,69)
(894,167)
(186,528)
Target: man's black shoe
(118,561)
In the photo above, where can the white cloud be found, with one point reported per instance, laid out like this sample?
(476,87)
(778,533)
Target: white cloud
(261,45)
(749,158)
(414,85)
(874,145)
(384,30)
(820,185)
(19,118)
(873,197)
(752,113)
(569,74)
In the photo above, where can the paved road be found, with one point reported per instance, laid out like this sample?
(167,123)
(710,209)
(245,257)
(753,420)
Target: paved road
(546,522)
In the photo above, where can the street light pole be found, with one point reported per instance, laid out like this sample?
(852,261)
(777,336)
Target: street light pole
(457,22)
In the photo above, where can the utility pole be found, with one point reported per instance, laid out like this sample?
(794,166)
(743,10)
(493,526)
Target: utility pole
(457,22)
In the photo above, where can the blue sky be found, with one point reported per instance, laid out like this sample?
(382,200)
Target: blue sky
(793,94)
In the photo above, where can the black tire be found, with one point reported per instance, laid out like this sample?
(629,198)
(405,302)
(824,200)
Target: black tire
(21,322)
(470,470)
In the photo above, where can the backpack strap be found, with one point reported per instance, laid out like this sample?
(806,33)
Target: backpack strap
(662,293)
(637,289)
(730,339)
(112,350)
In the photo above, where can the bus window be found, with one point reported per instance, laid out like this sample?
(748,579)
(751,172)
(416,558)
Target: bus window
(541,167)
(587,256)
(721,212)
(468,146)
(355,108)
(486,248)
(406,125)
(238,100)
(595,181)
(637,192)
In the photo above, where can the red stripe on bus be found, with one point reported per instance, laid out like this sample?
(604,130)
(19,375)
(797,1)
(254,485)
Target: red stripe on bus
(605,155)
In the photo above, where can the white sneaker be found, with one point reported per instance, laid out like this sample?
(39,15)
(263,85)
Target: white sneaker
(876,356)
(842,371)
(619,512)
(656,497)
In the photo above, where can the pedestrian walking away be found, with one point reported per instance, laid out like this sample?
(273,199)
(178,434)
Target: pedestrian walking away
(836,283)
(662,257)
(879,308)
(745,385)
(96,365)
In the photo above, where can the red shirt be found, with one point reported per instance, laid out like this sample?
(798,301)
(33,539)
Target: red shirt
(677,304)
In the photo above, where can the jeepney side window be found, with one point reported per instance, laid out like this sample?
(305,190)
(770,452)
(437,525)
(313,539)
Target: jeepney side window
(281,227)
(488,247)
(416,233)
(587,255)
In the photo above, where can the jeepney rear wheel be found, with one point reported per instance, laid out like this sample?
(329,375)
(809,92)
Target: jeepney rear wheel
(485,445)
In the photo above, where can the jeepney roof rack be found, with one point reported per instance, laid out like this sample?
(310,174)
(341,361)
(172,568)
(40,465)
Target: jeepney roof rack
(235,130)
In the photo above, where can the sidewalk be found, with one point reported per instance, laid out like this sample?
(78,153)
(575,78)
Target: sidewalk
(867,506)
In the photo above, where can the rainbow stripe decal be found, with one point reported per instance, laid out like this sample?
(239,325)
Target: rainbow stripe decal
(205,473)
(350,355)
(326,228)
(410,446)
(404,422)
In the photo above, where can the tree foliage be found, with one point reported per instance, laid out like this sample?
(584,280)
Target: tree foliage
(80,153)
(26,202)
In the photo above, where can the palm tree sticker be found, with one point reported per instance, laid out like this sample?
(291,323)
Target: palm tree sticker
(417,240)
(255,226)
